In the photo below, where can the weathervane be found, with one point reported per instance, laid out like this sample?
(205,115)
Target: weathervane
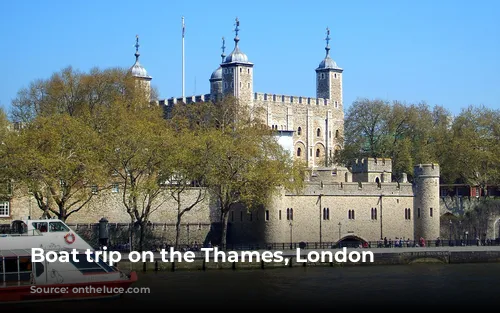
(327,48)
(223,55)
(237,29)
(137,46)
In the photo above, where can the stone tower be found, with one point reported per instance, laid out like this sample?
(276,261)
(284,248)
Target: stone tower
(139,72)
(329,78)
(237,73)
(216,78)
(329,87)
(426,202)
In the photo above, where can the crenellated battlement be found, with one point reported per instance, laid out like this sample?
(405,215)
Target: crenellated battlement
(285,99)
(186,100)
(356,189)
(366,165)
(426,170)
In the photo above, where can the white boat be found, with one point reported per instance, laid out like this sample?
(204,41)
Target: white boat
(22,280)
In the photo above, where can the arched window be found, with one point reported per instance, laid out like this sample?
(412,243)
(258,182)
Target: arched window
(299,131)
(318,132)
(317,153)
(299,151)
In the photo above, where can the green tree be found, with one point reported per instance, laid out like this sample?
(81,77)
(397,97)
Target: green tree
(56,159)
(76,93)
(136,143)
(475,146)
(185,172)
(246,164)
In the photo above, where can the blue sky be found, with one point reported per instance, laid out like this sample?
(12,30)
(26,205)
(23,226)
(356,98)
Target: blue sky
(441,52)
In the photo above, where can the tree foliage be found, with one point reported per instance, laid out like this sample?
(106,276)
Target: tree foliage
(466,145)
(245,163)
(57,160)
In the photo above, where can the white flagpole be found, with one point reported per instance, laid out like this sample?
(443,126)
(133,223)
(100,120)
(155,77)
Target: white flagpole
(183,85)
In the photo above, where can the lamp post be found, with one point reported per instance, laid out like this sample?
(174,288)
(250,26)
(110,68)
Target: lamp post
(320,221)
(451,223)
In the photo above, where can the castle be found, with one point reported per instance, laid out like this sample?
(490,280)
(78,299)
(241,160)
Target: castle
(361,203)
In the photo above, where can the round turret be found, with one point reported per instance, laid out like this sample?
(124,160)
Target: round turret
(137,70)
(426,202)
(236,56)
(328,63)
(217,74)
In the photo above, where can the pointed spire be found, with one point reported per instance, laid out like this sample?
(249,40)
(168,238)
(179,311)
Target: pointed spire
(137,54)
(327,48)
(236,30)
(223,55)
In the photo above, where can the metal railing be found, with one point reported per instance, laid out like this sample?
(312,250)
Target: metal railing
(328,245)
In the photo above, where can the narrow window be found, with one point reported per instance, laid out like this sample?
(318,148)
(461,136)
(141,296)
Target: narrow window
(279,215)
(430,212)
(317,153)
(291,214)
(267,215)
(299,131)
(299,151)
(318,132)
(418,212)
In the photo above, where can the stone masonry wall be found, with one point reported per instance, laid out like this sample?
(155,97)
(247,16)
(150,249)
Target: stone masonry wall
(308,114)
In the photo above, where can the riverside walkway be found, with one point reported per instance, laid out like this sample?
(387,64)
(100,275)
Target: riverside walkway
(203,260)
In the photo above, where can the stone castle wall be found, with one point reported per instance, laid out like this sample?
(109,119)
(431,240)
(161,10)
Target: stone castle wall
(307,117)
(272,223)
(278,225)
(195,224)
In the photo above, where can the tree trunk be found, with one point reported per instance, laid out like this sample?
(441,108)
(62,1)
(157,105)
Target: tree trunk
(131,234)
(142,234)
(177,231)
(225,217)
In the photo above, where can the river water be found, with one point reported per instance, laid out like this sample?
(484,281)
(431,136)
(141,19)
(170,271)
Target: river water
(305,289)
